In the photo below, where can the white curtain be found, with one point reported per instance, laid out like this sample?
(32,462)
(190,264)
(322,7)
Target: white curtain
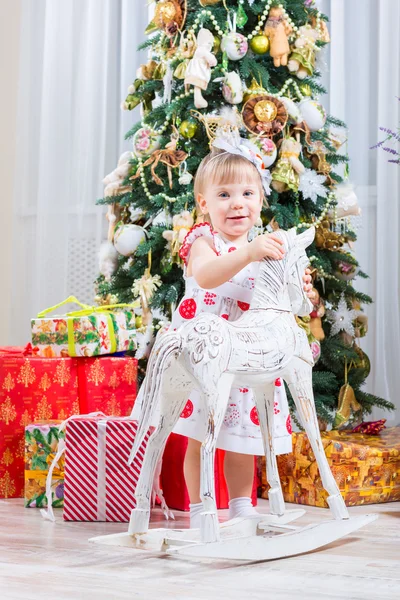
(363,82)
(77,60)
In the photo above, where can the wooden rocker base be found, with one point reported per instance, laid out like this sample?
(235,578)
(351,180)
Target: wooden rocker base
(263,537)
(159,540)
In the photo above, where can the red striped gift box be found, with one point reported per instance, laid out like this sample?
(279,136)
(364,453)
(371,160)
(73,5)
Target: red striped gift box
(99,483)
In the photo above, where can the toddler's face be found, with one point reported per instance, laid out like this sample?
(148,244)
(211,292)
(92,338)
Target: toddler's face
(233,207)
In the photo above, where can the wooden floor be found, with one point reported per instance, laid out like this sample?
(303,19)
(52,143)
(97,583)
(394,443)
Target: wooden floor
(40,560)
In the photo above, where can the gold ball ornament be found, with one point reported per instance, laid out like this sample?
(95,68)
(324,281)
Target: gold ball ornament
(209,2)
(265,111)
(188,129)
(305,89)
(217,45)
(259,44)
(138,322)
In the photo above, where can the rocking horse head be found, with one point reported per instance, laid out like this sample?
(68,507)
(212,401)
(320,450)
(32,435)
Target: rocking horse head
(280,283)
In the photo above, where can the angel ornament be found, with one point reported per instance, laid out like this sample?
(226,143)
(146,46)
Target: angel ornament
(277,29)
(198,71)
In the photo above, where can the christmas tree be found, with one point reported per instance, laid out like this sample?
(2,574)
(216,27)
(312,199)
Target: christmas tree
(262,59)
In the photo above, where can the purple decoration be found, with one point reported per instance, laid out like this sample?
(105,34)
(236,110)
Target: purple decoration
(391,136)
(59,491)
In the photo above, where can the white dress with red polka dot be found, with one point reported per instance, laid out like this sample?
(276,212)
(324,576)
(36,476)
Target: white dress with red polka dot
(240,431)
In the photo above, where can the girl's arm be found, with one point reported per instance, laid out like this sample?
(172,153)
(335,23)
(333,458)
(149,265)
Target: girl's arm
(210,270)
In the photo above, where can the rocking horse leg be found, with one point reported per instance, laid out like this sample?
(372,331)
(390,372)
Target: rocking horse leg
(215,405)
(171,408)
(264,398)
(299,380)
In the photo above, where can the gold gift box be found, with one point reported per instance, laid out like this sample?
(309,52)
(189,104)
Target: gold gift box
(366,468)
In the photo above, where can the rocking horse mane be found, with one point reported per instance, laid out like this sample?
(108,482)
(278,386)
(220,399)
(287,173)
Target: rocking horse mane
(279,283)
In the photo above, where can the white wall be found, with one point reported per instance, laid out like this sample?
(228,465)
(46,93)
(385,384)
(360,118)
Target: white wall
(10,15)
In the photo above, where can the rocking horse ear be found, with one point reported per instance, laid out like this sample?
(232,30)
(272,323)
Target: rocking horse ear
(307,237)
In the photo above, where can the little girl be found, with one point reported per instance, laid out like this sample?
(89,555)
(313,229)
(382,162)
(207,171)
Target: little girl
(221,266)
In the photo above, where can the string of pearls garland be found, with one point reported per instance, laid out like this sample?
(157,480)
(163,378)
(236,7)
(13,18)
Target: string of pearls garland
(289,82)
(162,194)
(329,200)
(321,272)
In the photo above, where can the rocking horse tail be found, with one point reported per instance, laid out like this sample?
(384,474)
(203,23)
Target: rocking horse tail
(167,345)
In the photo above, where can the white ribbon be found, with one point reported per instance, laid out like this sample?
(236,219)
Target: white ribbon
(101,469)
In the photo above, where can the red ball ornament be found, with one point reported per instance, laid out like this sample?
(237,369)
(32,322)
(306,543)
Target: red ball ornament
(187,309)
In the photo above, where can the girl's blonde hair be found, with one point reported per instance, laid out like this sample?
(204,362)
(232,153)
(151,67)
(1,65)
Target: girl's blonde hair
(221,167)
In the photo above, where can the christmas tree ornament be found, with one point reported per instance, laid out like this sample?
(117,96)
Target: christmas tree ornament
(198,72)
(313,114)
(187,47)
(254,89)
(312,185)
(234,44)
(292,109)
(362,362)
(259,44)
(217,45)
(302,58)
(287,171)
(267,149)
(167,83)
(185,178)
(209,2)
(169,16)
(361,326)
(342,318)
(326,238)
(317,152)
(241,17)
(232,89)
(144,288)
(170,156)
(114,181)
(344,270)
(145,141)
(188,128)
(127,238)
(315,347)
(347,405)
(316,315)
(305,89)
(346,201)
(277,29)
(152,70)
(181,224)
(264,115)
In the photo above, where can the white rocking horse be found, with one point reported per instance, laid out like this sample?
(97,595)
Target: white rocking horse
(213,355)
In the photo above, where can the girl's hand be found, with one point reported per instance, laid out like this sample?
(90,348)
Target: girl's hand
(267,245)
(308,286)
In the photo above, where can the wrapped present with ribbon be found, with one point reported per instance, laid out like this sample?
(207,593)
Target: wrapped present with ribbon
(90,331)
(99,483)
(366,468)
(41,443)
(31,389)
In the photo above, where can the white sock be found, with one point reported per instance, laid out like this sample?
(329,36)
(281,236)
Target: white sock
(195,512)
(241,507)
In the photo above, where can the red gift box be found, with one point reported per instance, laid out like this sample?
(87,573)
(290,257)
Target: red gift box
(99,483)
(173,479)
(107,384)
(31,389)
(34,388)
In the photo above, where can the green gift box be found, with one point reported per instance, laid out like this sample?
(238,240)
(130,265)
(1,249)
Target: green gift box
(41,442)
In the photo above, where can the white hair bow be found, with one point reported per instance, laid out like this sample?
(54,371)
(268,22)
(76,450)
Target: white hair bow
(234,144)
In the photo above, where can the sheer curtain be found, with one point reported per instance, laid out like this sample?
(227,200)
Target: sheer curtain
(363,82)
(77,60)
